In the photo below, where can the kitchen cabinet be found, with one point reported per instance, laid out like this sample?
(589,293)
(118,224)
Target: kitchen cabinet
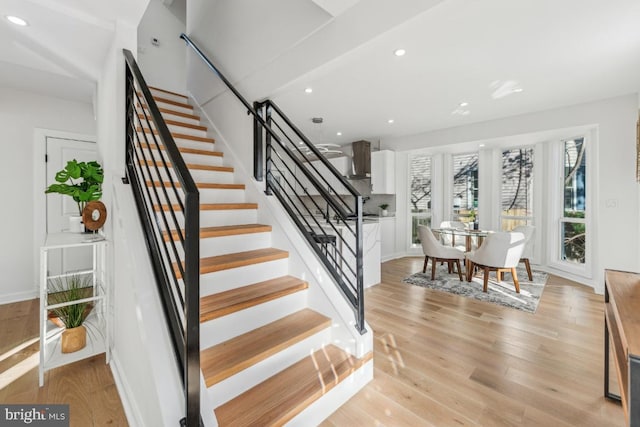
(383,176)
(387,238)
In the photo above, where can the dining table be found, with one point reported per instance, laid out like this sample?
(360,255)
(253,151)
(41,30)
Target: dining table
(468,236)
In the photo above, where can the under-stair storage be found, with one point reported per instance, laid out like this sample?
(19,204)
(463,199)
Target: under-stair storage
(265,354)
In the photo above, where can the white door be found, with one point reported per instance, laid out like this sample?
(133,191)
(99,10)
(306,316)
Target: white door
(60,208)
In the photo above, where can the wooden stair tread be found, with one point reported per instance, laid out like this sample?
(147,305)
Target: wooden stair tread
(202,185)
(158,98)
(169,92)
(240,259)
(225,230)
(214,206)
(230,357)
(223,303)
(196,166)
(278,399)
(178,135)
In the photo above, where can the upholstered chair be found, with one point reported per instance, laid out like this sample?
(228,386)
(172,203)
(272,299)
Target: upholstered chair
(448,239)
(435,250)
(527,254)
(499,252)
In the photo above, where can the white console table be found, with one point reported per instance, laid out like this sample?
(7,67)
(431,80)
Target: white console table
(97,321)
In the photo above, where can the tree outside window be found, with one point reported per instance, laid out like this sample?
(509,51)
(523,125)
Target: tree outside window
(573,223)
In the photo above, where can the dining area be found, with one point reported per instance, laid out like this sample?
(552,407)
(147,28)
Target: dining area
(485,251)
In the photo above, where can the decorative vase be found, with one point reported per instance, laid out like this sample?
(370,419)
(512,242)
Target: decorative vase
(73,339)
(75,224)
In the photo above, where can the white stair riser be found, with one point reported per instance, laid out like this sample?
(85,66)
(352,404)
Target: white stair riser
(196,159)
(216,195)
(182,129)
(214,246)
(211,218)
(173,107)
(224,280)
(165,95)
(180,142)
(250,377)
(224,328)
(169,116)
(202,176)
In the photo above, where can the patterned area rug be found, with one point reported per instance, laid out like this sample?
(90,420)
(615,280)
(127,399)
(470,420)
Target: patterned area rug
(502,293)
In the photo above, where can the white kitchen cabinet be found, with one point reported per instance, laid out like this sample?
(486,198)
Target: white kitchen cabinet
(383,176)
(387,238)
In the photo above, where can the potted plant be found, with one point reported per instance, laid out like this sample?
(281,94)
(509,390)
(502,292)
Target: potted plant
(383,209)
(71,316)
(82,181)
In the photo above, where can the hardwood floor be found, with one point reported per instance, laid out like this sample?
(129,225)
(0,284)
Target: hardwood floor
(446,360)
(439,360)
(87,386)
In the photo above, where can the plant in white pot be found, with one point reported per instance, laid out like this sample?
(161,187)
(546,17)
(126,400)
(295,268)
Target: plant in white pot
(82,181)
(383,209)
(61,293)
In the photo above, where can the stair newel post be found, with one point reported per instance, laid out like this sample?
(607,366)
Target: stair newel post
(267,111)
(192,308)
(257,143)
(359,268)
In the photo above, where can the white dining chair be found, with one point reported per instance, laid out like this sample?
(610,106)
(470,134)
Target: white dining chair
(527,253)
(435,250)
(499,252)
(448,239)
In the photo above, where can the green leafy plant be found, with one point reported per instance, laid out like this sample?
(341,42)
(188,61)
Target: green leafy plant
(80,180)
(383,206)
(68,289)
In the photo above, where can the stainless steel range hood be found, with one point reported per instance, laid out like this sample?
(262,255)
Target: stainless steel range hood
(361,159)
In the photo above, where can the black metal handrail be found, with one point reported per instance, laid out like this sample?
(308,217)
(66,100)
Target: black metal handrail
(168,204)
(336,236)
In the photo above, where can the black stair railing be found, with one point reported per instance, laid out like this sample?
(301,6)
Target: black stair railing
(168,204)
(323,204)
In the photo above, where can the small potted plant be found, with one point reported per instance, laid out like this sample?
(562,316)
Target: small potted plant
(383,209)
(71,316)
(82,181)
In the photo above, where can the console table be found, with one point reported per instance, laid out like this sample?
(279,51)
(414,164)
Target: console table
(622,335)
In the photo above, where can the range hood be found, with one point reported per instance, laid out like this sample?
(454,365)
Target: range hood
(361,159)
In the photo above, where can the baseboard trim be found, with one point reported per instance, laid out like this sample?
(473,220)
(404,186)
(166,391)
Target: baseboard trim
(131,410)
(18,296)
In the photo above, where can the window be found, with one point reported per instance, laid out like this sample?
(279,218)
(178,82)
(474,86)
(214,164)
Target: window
(516,188)
(573,222)
(465,187)
(420,198)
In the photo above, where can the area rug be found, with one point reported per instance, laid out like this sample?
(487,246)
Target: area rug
(502,293)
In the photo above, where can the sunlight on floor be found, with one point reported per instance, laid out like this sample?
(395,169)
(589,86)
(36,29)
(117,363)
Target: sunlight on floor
(19,369)
(18,348)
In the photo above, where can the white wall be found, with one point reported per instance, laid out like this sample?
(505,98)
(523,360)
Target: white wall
(163,66)
(615,244)
(20,113)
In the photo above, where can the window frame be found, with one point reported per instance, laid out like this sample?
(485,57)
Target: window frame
(414,247)
(530,219)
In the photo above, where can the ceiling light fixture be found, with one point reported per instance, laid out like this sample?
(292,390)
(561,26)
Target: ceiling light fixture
(481,145)
(16,20)
(339,133)
(390,121)
(308,90)
(399,52)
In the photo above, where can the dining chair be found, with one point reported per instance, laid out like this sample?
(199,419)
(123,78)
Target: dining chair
(499,252)
(527,253)
(448,239)
(435,250)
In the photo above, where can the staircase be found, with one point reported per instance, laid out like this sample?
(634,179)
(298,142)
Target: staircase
(265,355)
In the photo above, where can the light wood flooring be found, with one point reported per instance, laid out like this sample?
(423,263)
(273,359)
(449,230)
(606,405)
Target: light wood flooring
(440,360)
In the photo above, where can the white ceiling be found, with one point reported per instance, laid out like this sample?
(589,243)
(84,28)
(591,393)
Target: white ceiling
(61,51)
(561,52)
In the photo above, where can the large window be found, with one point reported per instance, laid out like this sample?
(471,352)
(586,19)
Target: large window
(517,188)
(573,222)
(420,198)
(465,187)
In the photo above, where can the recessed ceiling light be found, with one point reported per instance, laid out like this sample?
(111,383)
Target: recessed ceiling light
(481,145)
(399,52)
(390,121)
(464,104)
(308,90)
(16,20)
(339,133)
